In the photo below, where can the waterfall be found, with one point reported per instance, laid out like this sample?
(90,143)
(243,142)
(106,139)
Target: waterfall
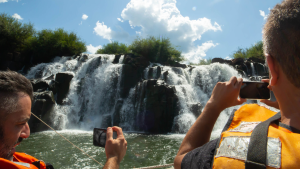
(253,69)
(121,59)
(193,86)
(94,97)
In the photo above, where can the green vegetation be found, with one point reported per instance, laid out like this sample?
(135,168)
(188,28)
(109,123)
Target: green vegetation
(159,50)
(48,44)
(42,45)
(113,48)
(254,51)
(14,36)
(202,62)
(156,50)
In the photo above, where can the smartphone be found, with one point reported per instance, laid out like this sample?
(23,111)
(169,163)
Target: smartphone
(255,90)
(99,137)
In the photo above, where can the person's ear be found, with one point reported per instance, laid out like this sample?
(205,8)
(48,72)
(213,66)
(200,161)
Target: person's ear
(273,69)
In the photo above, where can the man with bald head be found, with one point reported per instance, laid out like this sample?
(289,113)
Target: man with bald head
(254,136)
(16,95)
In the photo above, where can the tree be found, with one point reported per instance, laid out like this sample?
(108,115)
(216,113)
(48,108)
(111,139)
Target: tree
(113,48)
(254,51)
(14,36)
(202,62)
(48,44)
(156,50)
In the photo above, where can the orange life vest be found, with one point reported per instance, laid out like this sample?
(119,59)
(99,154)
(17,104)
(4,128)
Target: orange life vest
(22,161)
(282,150)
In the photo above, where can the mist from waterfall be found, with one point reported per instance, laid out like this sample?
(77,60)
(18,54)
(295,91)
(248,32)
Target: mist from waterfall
(94,91)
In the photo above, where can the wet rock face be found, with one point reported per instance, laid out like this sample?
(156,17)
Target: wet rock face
(43,105)
(131,75)
(63,81)
(244,66)
(196,109)
(39,84)
(161,108)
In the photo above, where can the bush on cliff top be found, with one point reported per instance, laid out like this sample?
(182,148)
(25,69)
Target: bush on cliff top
(254,51)
(113,48)
(159,50)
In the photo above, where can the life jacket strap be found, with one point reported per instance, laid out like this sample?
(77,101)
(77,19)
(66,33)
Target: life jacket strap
(257,150)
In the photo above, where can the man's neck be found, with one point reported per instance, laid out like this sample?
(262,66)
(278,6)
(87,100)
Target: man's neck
(290,109)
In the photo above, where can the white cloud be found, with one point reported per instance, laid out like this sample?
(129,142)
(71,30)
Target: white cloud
(93,49)
(80,23)
(228,58)
(16,16)
(84,16)
(103,31)
(262,13)
(106,33)
(194,8)
(119,19)
(162,18)
(198,52)
(138,33)
(3,1)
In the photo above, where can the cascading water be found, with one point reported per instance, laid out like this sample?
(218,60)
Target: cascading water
(193,86)
(253,69)
(94,91)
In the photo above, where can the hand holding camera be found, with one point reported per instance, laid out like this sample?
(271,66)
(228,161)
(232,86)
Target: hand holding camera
(114,142)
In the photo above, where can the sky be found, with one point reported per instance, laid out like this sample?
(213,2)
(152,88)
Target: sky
(200,29)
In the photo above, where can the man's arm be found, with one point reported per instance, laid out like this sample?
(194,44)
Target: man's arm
(115,149)
(223,96)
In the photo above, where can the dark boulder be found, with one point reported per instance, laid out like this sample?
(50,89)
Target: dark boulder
(63,81)
(154,72)
(43,105)
(131,75)
(238,61)
(83,58)
(177,64)
(196,109)
(39,84)
(255,59)
(220,60)
(116,59)
(161,108)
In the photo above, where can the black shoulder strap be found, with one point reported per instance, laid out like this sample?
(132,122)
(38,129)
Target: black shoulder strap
(257,149)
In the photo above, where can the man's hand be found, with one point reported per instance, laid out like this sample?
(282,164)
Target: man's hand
(115,149)
(225,94)
(269,102)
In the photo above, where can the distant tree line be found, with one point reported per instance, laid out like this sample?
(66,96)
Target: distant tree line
(159,50)
(254,51)
(37,46)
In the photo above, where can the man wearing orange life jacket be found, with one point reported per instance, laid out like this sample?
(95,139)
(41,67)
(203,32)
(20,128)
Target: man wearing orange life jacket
(16,95)
(254,136)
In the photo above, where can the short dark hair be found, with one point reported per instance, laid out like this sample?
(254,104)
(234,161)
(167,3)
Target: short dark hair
(281,38)
(11,85)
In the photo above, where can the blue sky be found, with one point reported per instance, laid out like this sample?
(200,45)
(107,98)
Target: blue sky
(201,29)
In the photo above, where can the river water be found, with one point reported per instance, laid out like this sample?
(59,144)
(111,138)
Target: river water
(142,150)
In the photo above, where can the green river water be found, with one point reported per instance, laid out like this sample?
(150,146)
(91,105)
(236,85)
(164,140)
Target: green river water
(142,150)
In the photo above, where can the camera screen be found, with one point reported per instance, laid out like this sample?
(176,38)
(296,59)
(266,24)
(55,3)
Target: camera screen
(99,137)
(255,90)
